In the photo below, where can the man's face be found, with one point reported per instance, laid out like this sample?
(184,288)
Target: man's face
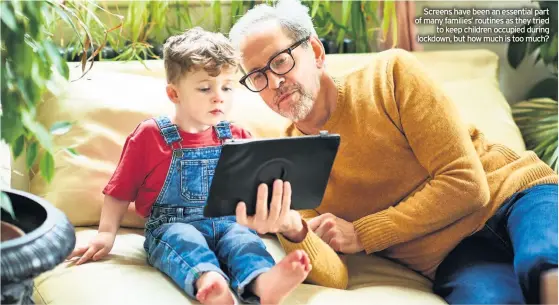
(292,95)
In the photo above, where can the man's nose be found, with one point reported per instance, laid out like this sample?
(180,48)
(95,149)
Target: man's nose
(274,80)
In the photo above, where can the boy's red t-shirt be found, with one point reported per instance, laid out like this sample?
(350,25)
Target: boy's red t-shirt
(145,160)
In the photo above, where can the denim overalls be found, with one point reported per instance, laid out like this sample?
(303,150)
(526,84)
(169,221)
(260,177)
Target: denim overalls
(180,241)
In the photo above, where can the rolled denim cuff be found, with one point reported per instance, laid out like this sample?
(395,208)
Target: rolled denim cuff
(197,271)
(248,296)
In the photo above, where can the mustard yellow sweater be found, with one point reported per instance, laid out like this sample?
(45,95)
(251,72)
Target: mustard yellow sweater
(412,178)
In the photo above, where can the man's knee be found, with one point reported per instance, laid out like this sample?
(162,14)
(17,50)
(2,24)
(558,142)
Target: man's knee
(482,292)
(532,262)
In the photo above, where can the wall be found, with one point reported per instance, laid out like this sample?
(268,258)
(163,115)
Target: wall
(515,84)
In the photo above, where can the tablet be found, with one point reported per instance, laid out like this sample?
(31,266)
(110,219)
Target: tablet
(304,161)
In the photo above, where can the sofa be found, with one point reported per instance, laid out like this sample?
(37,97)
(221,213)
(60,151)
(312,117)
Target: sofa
(107,104)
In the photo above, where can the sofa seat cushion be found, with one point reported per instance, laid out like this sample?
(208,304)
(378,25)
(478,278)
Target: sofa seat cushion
(124,277)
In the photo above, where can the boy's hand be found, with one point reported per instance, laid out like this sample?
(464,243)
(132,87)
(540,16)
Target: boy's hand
(279,218)
(98,248)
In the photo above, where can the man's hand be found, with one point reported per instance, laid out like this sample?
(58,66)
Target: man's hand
(98,248)
(279,218)
(337,233)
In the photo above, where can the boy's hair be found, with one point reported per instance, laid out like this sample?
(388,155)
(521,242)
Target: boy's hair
(197,49)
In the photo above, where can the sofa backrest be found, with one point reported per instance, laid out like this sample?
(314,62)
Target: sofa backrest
(109,102)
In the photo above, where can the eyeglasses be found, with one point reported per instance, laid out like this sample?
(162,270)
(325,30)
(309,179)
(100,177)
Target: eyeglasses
(280,64)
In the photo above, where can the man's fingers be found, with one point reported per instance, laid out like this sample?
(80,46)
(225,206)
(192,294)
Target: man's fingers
(324,227)
(241,213)
(335,244)
(87,256)
(315,222)
(277,192)
(286,200)
(262,203)
(274,213)
(329,236)
(77,252)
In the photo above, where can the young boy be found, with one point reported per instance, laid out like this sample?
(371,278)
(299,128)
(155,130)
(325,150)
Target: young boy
(166,167)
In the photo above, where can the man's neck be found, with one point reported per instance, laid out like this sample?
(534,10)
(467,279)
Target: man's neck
(323,107)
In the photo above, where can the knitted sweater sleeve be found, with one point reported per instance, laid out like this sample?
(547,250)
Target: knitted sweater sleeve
(328,269)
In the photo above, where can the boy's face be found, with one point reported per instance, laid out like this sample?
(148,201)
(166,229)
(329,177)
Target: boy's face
(203,100)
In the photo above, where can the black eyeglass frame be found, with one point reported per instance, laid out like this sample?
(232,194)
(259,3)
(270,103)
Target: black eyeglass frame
(267,67)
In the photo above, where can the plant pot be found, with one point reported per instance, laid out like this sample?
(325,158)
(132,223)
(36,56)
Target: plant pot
(349,46)
(329,46)
(158,50)
(108,53)
(71,57)
(48,238)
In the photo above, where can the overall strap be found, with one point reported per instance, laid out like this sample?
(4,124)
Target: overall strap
(168,130)
(223,130)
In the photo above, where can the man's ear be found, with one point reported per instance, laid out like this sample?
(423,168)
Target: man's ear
(172,93)
(318,50)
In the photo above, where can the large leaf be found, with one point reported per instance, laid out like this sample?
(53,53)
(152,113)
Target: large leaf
(60,128)
(38,130)
(8,17)
(6,204)
(388,11)
(17,147)
(549,51)
(47,166)
(72,151)
(315,6)
(11,127)
(545,88)
(552,6)
(58,60)
(537,120)
(216,7)
(517,50)
(32,152)
(346,14)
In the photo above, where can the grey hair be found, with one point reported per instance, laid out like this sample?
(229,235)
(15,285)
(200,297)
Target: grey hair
(292,16)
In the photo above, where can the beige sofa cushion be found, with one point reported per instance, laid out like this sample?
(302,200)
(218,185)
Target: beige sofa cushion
(115,96)
(125,278)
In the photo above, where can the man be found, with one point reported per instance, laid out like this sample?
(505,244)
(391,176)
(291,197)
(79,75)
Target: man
(410,182)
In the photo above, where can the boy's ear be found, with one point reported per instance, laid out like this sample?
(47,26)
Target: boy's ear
(172,93)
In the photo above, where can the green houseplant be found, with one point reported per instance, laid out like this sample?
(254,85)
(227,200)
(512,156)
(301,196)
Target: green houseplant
(536,115)
(36,236)
(343,26)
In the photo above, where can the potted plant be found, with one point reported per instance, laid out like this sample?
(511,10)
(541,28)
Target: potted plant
(35,235)
(536,115)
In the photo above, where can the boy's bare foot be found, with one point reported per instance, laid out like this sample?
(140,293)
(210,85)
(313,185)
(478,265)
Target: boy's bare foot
(275,284)
(213,289)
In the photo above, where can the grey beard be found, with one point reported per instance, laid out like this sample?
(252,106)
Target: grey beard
(299,110)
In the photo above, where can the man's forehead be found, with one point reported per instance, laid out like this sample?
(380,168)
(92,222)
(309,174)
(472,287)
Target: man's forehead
(260,45)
